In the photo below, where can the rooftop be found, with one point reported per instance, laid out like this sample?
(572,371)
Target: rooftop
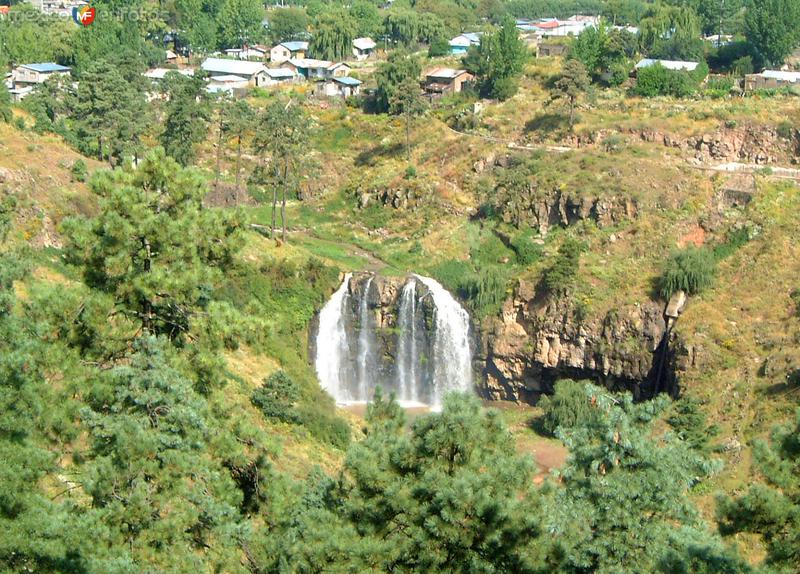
(310,63)
(280,73)
(447,73)
(237,67)
(45,67)
(364,43)
(669,64)
(295,46)
(347,81)
(781,75)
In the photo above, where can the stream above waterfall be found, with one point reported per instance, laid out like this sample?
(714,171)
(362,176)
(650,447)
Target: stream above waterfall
(408,335)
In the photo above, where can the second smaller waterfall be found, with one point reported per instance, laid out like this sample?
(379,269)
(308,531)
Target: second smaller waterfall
(407,348)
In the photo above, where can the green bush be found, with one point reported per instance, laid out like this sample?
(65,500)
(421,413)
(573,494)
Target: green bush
(439,47)
(528,252)
(689,422)
(563,271)
(276,398)
(656,80)
(785,130)
(486,290)
(690,270)
(325,427)
(79,170)
(568,407)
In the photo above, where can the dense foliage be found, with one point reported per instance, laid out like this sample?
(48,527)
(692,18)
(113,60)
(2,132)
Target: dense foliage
(690,270)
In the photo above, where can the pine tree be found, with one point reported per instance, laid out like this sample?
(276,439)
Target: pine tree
(281,133)
(498,61)
(187,116)
(408,102)
(153,246)
(573,83)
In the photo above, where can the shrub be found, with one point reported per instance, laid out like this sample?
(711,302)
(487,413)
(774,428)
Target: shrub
(656,80)
(560,276)
(568,407)
(439,47)
(690,270)
(276,398)
(691,425)
(486,290)
(743,66)
(79,170)
(785,130)
(325,427)
(528,252)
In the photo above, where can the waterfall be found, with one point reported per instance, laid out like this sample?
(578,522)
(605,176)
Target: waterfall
(366,336)
(452,356)
(333,348)
(419,356)
(407,355)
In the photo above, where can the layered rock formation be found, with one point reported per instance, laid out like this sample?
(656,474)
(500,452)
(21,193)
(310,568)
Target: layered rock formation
(539,340)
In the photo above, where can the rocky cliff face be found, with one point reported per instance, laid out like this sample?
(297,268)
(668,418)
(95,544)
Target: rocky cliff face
(759,144)
(538,340)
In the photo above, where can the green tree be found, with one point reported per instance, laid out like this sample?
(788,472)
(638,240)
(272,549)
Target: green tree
(367,17)
(560,276)
(239,121)
(453,496)
(281,134)
(399,68)
(498,61)
(154,247)
(771,509)
(407,101)
(573,83)
(108,113)
(602,50)
(277,397)
(5,104)
(287,24)
(240,22)
(186,118)
(773,29)
(401,26)
(333,36)
(567,408)
(671,33)
(624,504)
(690,270)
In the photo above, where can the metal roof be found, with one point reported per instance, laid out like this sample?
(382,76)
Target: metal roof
(364,43)
(295,46)
(310,63)
(280,73)
(669,64)
(347,81)
(236,67)
(447,73)
(46,67)
(793,77)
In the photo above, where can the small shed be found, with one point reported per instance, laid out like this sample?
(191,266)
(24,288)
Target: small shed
(363,48)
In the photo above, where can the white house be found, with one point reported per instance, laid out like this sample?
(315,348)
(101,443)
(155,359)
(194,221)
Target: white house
(256,52)
(462,43)
(161,73)
(343,87)
(319,69)
(276,76)
(286,51)
(34,74)
(363,48)
(253,73)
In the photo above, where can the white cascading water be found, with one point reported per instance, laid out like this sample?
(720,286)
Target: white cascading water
(452,366)
(333,350)
(407,356)
(433,355)
(366,336)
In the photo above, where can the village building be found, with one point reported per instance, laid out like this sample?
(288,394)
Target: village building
(674,65)
(257,52)
(286,51)
(553,27)
(445,81)
(363,48)
(311,69)
(551,49)
(342,87)
(463,42)
(26,77)
(158,74)
(771,80)
(253,74)
(276,76)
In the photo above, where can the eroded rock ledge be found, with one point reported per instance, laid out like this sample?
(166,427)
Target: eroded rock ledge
(539,340)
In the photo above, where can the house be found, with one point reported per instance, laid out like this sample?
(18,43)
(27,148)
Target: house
(771,80)
(228,82)
(252,73)
(343,87)
(277,76)
(257,52)
(554,27)
(462,43)
(157,74)
(441,81)
(674,65)
(286,51)
(171,57)
(318,69)
(28,75)
(363,48)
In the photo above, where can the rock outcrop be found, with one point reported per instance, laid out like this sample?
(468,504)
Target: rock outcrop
(539,340)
